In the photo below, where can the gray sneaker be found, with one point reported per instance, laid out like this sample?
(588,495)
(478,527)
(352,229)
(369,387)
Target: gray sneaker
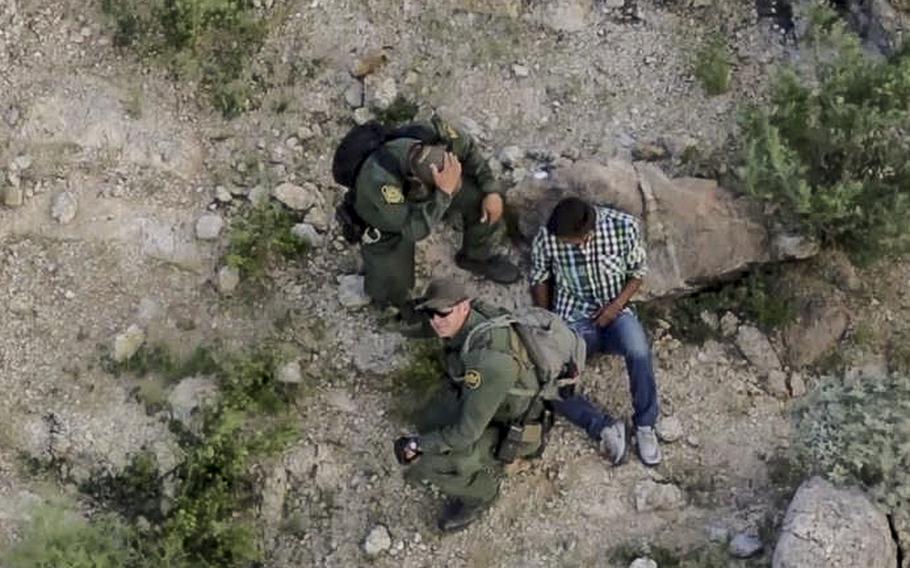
(613,443)
(648,448)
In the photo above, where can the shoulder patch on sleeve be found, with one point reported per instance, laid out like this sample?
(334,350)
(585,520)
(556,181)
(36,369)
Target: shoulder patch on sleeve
(392,194)
(472,379)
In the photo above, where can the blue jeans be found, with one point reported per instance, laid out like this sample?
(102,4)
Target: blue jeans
(624,336)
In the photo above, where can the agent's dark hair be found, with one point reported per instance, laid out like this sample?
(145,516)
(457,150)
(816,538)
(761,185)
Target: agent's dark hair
(571,217)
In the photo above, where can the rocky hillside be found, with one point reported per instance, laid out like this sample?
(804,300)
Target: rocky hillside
(135,300)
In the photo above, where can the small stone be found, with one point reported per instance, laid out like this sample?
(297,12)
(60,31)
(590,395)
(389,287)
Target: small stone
(776,384)
(13,196)
(228,280)
(653,496)
(745,545)
(363,115)
(511,155)
(648,152)
(384,94)
(669,429)
(411,78)
(643,563)
(290,373)
(22,162)
(729,323)
(20,306)
(11,116)
(693,441)
(353,95)
(307,233)
(710,319)
(717,533)
(209,226)
(520,71)
(222,195)
(378,541)
(128,343)
(305,133)
(297,197)
(797,385)
(258,195)
(371,61)
(350,291)
(64,208)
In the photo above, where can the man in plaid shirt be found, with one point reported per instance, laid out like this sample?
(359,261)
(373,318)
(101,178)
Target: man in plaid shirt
(586,264)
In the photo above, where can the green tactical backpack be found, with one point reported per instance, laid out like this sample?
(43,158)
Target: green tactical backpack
(556,351)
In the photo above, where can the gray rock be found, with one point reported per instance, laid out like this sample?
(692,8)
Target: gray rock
(258,195)
(353,95)
(643,563)
(64,207)
(13,196)
(757,349)
(653,496)
(511,155)
(797,385)
(669,429)
(613,4)
(22,162)
(209,226)
(745,545)
(520,71)
(297,197)
(223,195)
(363,115)
(189,396)
(710,319)
(378,541)
(290,373)
(128,343)
(827,527)
(382,92)
(815,334)
(228,280)
(776,384)
(729,323)
(350,291)
(793,247)
(306,232)
(11,116)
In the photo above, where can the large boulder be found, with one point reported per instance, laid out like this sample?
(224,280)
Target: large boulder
(827,527)
(697,232)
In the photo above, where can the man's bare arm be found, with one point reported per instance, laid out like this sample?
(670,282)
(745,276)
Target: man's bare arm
(540,295)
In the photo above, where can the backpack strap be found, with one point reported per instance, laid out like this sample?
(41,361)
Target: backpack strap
(510,321)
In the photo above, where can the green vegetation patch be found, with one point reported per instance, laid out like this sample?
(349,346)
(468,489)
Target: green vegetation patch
(712,67)
(414,384)
(211,42)
(761,297)
(259,237)
(58,538)
(859,433)
(830,151)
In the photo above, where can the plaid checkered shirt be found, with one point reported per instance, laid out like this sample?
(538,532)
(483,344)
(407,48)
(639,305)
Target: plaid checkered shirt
(592,275)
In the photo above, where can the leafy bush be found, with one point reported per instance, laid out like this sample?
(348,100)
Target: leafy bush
(57,538)
(831,149)
(259,236)
(416,382)
(209,41)
(712,67)
(859,433)
(402,110)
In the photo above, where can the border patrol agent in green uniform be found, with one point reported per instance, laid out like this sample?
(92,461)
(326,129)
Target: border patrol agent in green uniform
(490,386)
(403,209)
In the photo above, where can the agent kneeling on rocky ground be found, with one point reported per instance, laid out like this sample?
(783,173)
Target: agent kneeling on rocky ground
(502,371)
(592,259)
(402,183)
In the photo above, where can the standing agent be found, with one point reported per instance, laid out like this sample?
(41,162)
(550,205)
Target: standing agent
(587,263)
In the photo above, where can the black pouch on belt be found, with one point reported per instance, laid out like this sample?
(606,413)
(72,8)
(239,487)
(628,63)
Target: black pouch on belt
(510,444)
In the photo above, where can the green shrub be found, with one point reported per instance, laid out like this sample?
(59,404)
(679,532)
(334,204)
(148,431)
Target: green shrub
(415,383)
(831,149)
(207,41)
(159,360)
(859,433)
(712,67)
(58,538)
(259,236)
(402,110)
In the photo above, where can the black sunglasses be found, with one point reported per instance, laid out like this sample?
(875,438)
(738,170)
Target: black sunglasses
(434,313)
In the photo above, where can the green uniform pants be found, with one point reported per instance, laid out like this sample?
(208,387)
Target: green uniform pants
(389,263)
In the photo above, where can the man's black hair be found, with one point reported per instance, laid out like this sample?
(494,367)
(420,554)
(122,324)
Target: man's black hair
(571,217)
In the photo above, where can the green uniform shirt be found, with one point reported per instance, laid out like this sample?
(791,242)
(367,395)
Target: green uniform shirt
(495,364)
(381,198)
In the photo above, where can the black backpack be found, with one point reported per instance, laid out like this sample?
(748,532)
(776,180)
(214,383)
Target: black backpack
(358,144)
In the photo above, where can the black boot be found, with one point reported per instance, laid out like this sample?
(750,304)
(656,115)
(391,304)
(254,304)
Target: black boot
(458,514)
(496,268)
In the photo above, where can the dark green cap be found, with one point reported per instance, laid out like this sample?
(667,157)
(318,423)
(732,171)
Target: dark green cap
(442,293)
(420,159)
